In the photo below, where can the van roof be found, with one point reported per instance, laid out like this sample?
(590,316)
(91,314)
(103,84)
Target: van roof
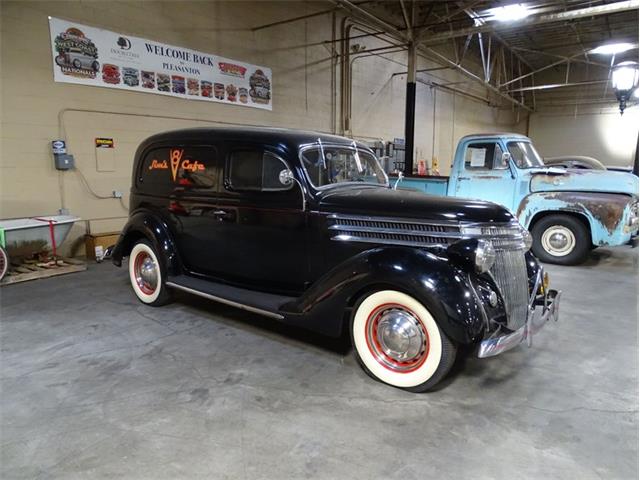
(288,138)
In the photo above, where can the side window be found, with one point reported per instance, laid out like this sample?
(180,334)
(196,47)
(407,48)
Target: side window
(256,170)
(484,156)
(166,169)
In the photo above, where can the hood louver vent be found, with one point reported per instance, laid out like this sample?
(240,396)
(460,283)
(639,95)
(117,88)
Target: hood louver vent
(392,231)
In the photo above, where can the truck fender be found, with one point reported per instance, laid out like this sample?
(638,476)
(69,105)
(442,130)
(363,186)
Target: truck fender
(604,212)
(146,224)
(444,289)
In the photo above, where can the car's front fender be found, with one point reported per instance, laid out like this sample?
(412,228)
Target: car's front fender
(444,289)
(605,213)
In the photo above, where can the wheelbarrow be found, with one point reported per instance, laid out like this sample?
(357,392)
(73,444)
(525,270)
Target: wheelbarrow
(26,236)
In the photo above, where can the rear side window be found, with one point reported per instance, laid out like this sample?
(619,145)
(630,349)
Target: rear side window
(256,170)
(166,169)
(484,156)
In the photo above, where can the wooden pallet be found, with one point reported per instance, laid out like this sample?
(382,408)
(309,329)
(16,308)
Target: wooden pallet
(33,270)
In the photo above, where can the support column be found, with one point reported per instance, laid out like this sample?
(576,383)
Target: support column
(410,110)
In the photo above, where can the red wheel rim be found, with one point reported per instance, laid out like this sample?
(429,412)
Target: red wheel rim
(389,329)
(145,272)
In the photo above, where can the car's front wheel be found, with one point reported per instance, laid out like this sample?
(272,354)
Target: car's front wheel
(397,341)
(146,275)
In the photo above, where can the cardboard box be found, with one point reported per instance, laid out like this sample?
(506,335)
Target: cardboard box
(91,241)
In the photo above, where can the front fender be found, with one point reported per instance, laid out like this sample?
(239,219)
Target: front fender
(605,212)
(146,224)
(444,289)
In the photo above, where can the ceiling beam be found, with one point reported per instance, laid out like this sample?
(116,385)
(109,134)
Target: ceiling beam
(539,20)
(475,77)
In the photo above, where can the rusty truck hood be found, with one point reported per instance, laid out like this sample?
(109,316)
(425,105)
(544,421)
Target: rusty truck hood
(575,180)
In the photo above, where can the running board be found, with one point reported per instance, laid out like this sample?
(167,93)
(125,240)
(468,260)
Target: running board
(266,304)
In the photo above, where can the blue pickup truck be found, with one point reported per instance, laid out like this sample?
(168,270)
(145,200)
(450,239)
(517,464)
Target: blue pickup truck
(567,211)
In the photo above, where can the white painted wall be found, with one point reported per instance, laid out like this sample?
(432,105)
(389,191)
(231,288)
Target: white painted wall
(602,134)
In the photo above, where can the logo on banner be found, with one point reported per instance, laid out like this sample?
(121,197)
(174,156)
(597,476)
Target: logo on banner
(232,69)
(124,43)
(77,54)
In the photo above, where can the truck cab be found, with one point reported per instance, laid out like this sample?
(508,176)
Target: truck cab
(567,211)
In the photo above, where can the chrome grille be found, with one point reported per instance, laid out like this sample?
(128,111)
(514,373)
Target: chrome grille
(510,274)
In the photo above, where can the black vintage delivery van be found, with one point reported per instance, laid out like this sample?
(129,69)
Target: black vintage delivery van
(304,227)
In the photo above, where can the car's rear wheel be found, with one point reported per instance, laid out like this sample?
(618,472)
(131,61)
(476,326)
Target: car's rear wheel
(397,341)
(147,275)
(560,239)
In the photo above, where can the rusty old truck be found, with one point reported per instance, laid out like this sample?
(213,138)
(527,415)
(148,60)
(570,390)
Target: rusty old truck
(567,211)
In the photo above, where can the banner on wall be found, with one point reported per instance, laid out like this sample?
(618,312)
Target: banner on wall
(91,56)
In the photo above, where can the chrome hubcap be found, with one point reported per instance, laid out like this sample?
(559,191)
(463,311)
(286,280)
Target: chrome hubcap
(146,273)
(397,338)
(399,335)
(558,240)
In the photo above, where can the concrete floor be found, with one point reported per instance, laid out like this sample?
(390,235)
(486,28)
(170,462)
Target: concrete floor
(95,385)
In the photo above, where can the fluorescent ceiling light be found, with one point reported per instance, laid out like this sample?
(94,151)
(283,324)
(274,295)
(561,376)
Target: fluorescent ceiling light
(612,48)
(509,13)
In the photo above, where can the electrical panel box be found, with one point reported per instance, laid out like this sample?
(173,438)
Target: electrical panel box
(64,161)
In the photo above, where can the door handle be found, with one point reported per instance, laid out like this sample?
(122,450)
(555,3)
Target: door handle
(464,178)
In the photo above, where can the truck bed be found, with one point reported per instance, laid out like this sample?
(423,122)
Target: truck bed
(433,185)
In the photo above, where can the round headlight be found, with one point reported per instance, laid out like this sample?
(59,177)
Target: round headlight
(485,256)
(528,239)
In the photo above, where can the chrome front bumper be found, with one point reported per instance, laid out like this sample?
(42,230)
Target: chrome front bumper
(536,319)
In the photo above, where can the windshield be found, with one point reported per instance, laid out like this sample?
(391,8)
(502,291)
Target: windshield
(525,155)
(330,164)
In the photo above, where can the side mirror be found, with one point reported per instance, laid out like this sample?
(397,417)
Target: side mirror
(286,177)
(506,156)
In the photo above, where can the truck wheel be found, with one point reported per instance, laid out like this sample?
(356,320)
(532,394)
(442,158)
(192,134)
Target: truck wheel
(147,275)
(398,342)
(560,239)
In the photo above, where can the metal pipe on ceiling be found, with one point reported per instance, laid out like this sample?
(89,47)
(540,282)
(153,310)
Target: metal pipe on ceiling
(557,85)
(475,77)
(291,20)
(559,62)
(358,11)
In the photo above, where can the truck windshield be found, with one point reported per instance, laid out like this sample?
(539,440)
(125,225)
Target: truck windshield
(331,164)
(525,155)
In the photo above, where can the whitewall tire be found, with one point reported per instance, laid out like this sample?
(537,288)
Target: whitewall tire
(146,275)
(398,341)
